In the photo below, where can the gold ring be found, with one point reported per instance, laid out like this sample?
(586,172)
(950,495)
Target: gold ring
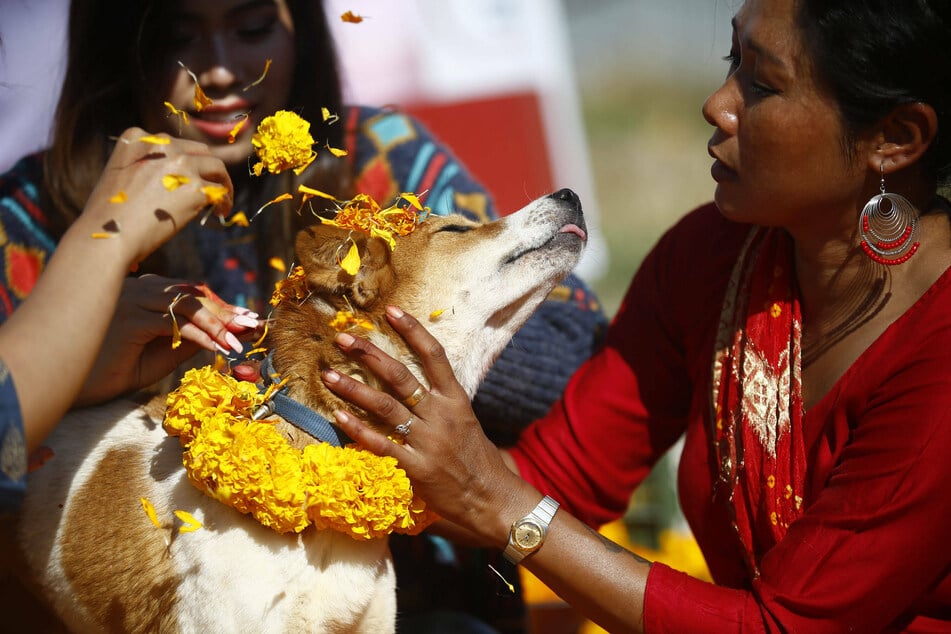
(415,397)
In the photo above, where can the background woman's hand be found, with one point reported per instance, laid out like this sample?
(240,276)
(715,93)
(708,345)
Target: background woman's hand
(150,189)
(452,465)
(138,350)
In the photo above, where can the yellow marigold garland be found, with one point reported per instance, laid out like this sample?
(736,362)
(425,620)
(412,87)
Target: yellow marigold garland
(250,466)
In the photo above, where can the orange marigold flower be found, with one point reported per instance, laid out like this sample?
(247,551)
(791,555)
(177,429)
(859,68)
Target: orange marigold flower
(283,141)
(294,286)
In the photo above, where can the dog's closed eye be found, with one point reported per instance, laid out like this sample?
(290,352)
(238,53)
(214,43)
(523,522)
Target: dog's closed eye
(455,229)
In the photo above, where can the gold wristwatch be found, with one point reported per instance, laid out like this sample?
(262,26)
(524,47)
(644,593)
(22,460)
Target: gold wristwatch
(528,533)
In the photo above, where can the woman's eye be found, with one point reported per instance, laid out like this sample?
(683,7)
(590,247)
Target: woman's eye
(734,60)
(256,26)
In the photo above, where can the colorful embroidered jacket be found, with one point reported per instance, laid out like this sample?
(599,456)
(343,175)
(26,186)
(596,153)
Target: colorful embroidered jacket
(12,445)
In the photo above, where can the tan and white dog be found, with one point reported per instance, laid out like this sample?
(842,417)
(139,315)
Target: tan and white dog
(84,542)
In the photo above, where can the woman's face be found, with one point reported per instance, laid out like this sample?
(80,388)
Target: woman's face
(779,142)
(226,45)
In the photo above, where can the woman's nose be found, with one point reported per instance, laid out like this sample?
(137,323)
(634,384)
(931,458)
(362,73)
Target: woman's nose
(719,109)
(218,69)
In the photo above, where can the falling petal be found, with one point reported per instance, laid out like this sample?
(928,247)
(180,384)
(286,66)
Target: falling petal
(278,264)
(337,151)
(351,17)
(220,363)
(119,197)
(412,199)
(101,235)
(173,181)
(154,140)
(190,525)
(309,192)
(329,117)
(237,218)
(201,99)
(181,114)
(215,194)
(257,344)
(278,199)
(176,332)
(433,316)
(351,263)
(233,134)
(267,66)
(255,351)
(150,511)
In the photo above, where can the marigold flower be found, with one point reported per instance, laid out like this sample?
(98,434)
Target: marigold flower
(283,141)
(345,320)
(294,286)
(250,466)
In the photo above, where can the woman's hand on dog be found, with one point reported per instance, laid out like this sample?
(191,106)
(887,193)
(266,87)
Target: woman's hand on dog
(138,349)
(454,467)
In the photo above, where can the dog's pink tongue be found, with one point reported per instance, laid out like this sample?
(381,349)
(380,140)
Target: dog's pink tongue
(575,229)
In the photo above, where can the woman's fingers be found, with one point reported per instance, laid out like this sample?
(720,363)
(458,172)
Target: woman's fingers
(207,322)
(152,185)
(431,353)
(387,410)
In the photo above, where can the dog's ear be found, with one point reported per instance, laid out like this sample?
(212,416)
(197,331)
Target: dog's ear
(320,248)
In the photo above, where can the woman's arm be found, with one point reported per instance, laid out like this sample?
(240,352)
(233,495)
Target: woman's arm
(466,479)
(51,340)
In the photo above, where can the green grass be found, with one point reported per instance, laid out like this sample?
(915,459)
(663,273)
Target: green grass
(650,166)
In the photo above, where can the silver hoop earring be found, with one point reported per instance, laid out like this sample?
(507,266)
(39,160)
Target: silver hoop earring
(888,227)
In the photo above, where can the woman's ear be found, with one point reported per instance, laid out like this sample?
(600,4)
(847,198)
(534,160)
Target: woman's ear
(905,135)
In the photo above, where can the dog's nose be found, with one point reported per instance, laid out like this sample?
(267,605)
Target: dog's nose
(567,196)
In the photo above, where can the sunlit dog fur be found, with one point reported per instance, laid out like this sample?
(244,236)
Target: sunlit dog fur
(84,542)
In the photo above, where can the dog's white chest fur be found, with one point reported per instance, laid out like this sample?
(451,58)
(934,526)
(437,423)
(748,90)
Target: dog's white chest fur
(231,575)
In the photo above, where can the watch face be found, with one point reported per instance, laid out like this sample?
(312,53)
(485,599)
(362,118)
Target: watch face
(527,535)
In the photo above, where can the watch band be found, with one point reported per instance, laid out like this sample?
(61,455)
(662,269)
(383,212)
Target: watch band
(541,515)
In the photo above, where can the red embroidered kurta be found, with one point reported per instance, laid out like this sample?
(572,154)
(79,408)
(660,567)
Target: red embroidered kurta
(872,549)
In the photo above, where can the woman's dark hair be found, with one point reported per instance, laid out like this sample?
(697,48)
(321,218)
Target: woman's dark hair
(875,55)
(114,52)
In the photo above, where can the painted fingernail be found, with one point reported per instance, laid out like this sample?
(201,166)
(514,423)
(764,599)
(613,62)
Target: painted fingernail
(233,342)
(220,348)
(394,312)
(246,321)
(331,376)
(248,313)
(345,340)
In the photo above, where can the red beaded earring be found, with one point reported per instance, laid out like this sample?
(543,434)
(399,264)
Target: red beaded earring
(888,226)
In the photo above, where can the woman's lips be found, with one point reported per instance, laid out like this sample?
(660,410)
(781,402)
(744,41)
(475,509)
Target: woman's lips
(217,129)
(720,172)
(218,120)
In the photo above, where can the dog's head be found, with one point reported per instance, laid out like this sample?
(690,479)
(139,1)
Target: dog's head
(472,285)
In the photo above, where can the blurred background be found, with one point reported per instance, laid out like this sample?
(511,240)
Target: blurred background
(602,96)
